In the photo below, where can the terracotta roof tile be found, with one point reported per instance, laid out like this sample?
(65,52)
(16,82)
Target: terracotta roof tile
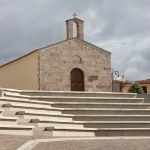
(143,81)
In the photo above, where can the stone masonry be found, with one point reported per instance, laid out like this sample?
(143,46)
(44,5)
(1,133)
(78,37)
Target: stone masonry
(56,63)
(58,60)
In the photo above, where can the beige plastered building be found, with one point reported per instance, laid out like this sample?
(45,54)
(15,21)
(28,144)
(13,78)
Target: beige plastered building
(70,65)
(145,84)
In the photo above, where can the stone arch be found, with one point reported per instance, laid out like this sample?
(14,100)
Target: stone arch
(75,29)
(79,28)
(76,58)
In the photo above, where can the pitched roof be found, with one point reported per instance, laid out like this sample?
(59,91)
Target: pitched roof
(118,81)
(74,38)
(74,19)
(143,81)
(147,81)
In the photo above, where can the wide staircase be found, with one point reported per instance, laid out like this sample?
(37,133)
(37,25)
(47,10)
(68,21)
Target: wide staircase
(43,113)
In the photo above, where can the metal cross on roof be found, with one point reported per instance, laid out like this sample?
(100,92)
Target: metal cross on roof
(74,15)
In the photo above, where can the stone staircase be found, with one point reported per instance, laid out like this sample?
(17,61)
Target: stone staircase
(42,113)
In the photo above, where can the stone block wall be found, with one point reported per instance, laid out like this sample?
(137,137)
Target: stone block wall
(56,63)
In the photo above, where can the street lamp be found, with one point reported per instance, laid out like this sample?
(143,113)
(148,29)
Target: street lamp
(112,76)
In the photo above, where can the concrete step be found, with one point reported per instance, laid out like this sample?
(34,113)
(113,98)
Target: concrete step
(77,94)
(91,124)
(1,111)
(41,115)
(111,117)
(41,127)
(8,120)
(88,99)
(100,105)
(17,107)
(16,130)
(24,101)
(69,132)
(79,104)
(23,121)
(58,123)
(117,124)
(76,104)
(65,93)
(8,113)
(73,113)
(122,132)
(38,130)
(9,95)
(91,111)
(107,132)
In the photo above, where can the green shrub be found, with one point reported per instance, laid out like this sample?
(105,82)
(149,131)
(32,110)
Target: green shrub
(136,88)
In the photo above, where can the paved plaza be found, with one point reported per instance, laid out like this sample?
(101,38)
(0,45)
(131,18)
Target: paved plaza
(12,142)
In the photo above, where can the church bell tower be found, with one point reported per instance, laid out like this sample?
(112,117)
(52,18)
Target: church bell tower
(79,27)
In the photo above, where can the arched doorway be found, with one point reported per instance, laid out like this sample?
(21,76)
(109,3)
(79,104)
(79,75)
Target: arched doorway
(77,80)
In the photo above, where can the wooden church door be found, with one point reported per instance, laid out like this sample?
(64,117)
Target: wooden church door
(77,80)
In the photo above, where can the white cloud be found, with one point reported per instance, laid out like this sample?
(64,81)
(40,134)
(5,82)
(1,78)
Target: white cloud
(121,27)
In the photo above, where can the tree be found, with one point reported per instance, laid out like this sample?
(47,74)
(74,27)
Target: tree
(136,88)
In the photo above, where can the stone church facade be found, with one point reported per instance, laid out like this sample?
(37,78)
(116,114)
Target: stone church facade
(70,65)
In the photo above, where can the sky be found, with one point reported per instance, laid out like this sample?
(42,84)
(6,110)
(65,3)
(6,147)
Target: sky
(121,27)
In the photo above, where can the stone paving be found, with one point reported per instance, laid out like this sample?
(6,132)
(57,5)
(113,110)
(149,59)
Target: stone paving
(11,142)
(110,144)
